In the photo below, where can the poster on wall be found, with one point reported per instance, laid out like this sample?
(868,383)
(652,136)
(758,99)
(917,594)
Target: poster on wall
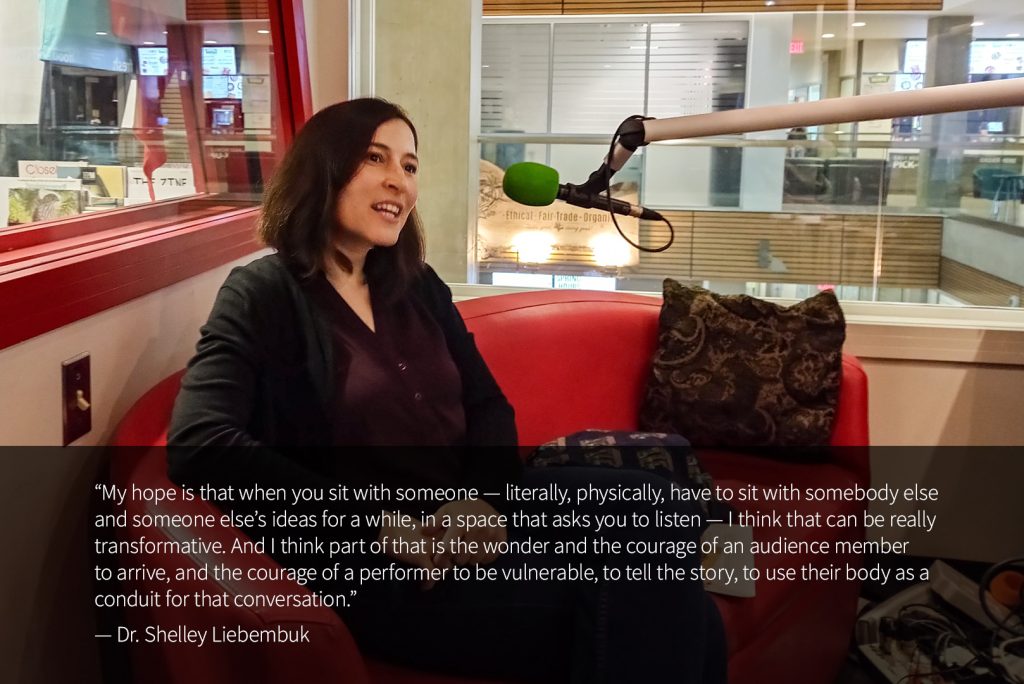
(152,61)
(219,61)
(997,57)
(875,84)
(35,169)
(256,101)
(169,181)
(509,232)
(915,57)
(104,184)
(28,205)
(222,88)
(25,201)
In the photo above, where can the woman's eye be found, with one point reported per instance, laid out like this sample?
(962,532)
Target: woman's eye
(411,168)
(375,157)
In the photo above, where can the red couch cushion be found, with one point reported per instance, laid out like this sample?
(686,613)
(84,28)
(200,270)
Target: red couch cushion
(570,360)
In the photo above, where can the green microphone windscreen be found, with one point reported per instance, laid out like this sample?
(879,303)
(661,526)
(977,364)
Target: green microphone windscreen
(530,183)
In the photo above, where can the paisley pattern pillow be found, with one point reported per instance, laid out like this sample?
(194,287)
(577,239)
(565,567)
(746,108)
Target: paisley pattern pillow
(736,371)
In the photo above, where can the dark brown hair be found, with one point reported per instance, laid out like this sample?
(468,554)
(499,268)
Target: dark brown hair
(299,216)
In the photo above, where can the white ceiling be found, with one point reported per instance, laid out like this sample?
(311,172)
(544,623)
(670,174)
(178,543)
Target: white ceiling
(999,18)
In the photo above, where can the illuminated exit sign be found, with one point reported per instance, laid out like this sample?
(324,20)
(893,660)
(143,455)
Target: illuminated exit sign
(796,47)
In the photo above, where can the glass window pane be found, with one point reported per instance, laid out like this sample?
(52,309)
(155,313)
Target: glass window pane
(113,103)
(514,78)
(599,76)
(922,209)
(697,67)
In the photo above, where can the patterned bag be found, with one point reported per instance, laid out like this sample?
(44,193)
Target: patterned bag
(667,455)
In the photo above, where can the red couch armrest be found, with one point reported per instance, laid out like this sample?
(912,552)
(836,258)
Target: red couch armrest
(850,430)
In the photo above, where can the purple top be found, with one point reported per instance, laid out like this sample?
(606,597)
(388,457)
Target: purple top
(400,386)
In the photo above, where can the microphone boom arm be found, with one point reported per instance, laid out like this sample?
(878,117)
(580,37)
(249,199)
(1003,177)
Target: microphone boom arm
(638,131)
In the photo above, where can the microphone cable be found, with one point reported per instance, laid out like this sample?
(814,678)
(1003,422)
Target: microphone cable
(608,193)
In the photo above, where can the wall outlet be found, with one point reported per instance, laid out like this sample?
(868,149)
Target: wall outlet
(76,397)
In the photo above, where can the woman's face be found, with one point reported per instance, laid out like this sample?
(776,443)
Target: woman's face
(375,204)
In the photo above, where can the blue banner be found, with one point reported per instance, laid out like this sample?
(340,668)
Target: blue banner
(78,33)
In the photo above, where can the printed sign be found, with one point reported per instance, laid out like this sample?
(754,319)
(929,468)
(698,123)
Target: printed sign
(34,169)
(219,61)
(997,57)
(152,61)
(168,181)
(560,233)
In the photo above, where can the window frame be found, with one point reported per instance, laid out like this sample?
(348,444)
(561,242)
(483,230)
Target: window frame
(59,272)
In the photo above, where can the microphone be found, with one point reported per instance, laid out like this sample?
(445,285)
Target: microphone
(537,185)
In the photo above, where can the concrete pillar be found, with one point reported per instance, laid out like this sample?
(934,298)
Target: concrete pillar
(767,84)
(327,46)
(427,60)
(949,46)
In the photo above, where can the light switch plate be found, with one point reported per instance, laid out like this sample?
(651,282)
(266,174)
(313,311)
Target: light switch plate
(76,378)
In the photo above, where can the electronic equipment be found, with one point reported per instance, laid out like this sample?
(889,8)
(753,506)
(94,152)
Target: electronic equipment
(223,117)
(152,61)
(219,60)
(938,631)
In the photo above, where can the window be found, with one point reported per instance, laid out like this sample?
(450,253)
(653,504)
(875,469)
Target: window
(122,170)
(920,209)
(116,103)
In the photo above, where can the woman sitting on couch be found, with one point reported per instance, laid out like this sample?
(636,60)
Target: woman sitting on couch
(344,337)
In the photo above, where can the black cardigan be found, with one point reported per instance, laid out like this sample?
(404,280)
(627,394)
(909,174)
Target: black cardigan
(262,377)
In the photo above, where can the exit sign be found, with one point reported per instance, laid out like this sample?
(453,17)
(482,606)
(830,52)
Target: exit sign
(796,47)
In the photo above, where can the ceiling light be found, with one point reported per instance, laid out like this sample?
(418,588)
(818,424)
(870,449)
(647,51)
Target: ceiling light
(210,42)
(977,23)
(148,42)
(858,24)
(101,33)
(165,33)
(828,35)
(1013,35)
(263,31)
(769,3)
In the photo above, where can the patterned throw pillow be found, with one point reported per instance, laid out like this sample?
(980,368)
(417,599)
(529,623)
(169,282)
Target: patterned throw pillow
(735,371)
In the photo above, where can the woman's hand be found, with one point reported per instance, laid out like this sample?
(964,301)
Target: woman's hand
(472,521)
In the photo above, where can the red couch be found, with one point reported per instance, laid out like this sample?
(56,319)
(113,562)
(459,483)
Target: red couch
(567,360)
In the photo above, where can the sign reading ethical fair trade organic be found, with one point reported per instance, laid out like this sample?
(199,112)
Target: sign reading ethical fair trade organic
(509,231)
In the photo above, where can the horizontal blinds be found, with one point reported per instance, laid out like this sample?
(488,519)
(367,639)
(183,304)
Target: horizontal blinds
(600,73)
(509,7)
(712,6)
(977,287)
(516,7)
(223,10)
(794,248)
(696,67)
(598,76)
(631,7)
(515,60)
